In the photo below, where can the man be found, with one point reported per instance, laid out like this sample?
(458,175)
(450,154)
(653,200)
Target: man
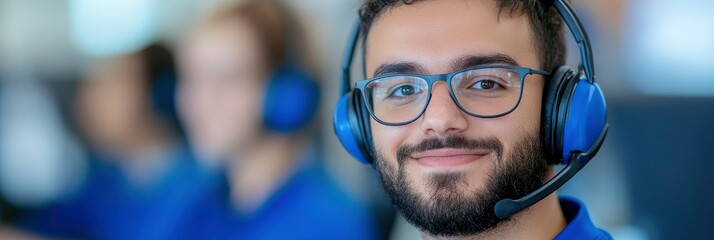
(454,92)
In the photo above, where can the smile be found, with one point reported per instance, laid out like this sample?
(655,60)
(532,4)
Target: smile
(448,157)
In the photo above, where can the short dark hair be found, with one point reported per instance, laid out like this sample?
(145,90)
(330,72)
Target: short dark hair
(545,23)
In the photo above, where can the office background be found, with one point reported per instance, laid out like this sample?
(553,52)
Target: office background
(654,59)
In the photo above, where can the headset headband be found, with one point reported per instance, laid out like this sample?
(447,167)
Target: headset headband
(348,56)
(566,12)
(580,36)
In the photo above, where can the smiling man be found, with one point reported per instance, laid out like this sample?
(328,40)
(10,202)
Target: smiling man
(452,114)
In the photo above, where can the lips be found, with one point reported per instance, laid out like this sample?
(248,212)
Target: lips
(448,157)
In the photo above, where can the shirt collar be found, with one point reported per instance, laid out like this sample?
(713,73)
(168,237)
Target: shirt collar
(579,224)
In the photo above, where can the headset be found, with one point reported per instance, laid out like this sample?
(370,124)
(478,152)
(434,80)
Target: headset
(291,99)
(574,120)
(291,95)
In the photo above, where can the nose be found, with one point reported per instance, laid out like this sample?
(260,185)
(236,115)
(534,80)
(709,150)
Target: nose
(442,116)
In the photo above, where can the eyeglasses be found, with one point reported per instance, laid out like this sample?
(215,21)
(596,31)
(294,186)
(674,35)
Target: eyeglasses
(484,92)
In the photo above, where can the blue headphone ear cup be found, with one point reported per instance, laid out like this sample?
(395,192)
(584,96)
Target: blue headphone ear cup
(349,127)
(291,99)
(586,118)
(553,97)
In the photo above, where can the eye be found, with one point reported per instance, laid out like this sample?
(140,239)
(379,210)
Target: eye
(405,90)
(486,84)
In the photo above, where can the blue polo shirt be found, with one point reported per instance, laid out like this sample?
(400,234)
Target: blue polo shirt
(309,205)
(579,224)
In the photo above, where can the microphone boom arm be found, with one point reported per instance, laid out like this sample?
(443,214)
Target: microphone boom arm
(507,207)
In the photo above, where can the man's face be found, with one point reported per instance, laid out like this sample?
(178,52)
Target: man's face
(112,101)
(446,170)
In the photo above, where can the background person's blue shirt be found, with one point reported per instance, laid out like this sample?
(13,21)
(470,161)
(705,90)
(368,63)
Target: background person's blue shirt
(579,224)
(309,205)
(110,206)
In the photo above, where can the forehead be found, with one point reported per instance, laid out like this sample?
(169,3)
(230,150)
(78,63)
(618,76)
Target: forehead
(434,33)
(228,37)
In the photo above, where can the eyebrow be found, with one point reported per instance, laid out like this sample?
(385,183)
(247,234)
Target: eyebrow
(475,61)
(400,67)
(458,64)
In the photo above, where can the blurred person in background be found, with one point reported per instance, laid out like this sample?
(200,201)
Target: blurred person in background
(246,107)
(141,176)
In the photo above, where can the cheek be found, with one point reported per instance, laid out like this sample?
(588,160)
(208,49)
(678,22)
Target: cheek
(531,106)
(524,121)
(111,109)
(387,139)
(243,110)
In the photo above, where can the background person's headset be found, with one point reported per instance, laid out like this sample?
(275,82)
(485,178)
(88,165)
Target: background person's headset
(291,95)
(291,99)
(574,121)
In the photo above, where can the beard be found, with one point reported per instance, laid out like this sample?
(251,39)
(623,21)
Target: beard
(451,209)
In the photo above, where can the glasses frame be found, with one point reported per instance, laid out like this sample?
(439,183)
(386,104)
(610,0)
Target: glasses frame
(447,78)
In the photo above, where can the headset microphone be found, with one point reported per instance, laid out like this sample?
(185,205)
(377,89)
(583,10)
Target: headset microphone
(507,207)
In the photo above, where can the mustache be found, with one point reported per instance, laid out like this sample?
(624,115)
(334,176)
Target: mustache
(456,142)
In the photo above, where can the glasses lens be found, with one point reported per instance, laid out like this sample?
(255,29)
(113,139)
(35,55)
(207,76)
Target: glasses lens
(396,99)
(487,92)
